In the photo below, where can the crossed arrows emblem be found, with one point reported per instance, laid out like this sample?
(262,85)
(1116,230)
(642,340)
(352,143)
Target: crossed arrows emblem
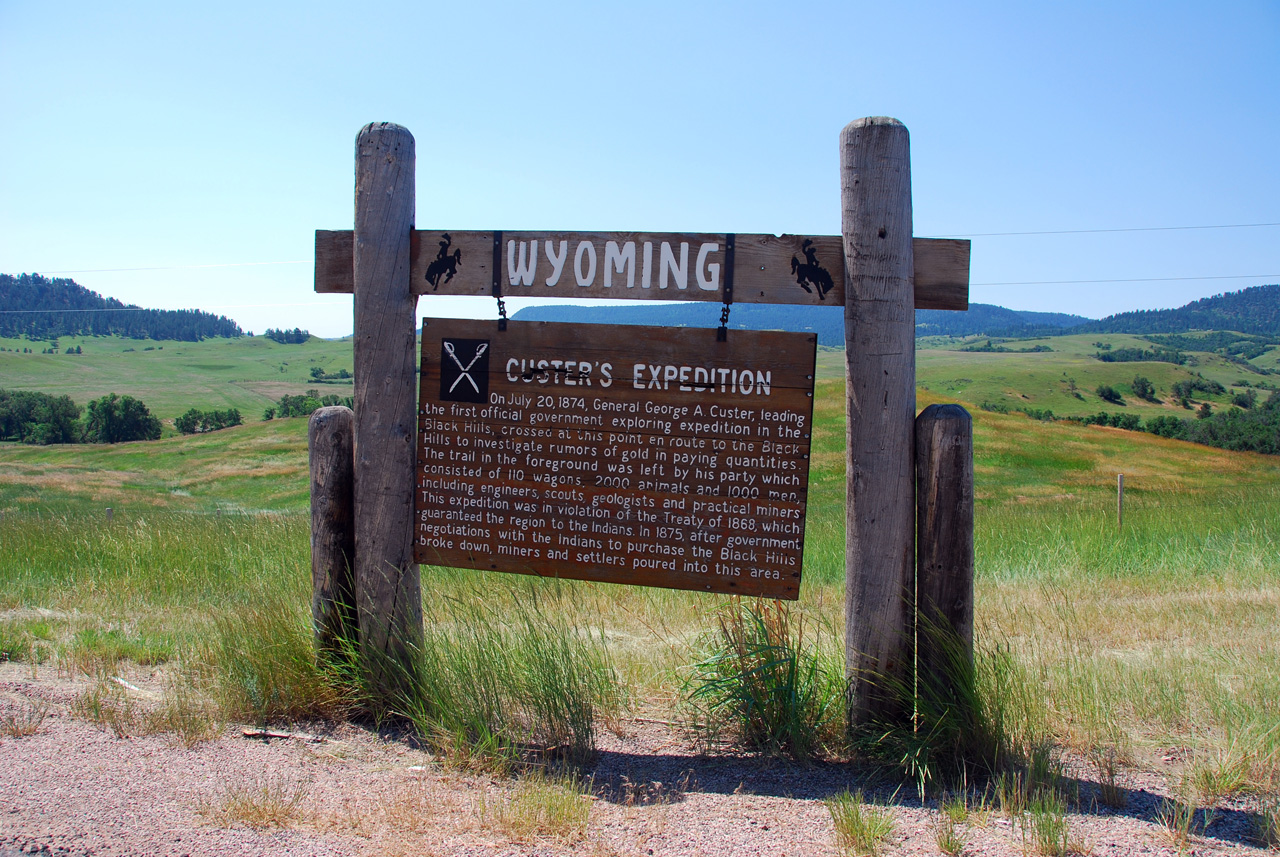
(465,370)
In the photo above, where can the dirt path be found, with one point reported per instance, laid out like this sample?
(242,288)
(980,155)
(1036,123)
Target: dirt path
(74,787)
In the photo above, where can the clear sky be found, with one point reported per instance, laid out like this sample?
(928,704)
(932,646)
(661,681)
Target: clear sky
(196,138)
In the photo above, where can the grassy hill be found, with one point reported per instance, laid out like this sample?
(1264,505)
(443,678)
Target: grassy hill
(1065,379)
(1118,632)
(253,373)
(249,373)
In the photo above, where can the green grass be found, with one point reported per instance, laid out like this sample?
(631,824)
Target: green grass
(1122,630)
(170,376)
(861,827)
(1051,380)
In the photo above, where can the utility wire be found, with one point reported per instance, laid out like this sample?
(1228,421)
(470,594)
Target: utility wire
(1132,280)
(955,235)
(1096,231)
(179,267)
(144,309)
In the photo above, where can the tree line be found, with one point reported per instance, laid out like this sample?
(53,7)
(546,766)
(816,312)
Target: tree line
(40,418)
(41,308)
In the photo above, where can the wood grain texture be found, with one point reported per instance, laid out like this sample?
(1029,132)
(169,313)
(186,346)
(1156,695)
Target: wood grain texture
(330,436)
(944,544)
(388,590)
(875,195)
(647,456)
(763,272)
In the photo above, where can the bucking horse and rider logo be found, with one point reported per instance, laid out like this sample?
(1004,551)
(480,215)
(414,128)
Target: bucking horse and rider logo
(810,273)
(445,264)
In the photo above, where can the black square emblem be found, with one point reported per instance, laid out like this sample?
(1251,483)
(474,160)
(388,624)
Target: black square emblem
(464,370)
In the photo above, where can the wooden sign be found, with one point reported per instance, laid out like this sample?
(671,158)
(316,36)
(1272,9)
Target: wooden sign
(651,456)
(789,269)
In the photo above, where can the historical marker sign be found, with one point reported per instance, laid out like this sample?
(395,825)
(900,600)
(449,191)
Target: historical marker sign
(652,456)
(671,266)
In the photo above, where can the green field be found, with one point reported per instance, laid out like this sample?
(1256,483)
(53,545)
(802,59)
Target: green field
(250,373)
(1051,380)
(1156,636)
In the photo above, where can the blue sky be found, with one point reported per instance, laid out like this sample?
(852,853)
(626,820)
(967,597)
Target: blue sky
(167,136)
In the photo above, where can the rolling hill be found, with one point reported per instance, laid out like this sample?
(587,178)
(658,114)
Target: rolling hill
(39,308)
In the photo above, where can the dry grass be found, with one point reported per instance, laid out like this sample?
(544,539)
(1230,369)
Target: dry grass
(109,707)
(539,806)
(26,720)
(264,802)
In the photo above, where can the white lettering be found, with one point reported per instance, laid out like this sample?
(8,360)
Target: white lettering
(711,282)
(617,260)
(557,261)
(585,248)
(667,264)
(517,273)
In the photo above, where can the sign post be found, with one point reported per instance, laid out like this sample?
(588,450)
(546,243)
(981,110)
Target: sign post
(660,457)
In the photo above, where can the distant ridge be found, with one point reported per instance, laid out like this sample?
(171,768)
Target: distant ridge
(1253,310)
(41,308)
(827,322)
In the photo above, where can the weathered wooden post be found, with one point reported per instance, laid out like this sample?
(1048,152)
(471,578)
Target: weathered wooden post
(388,590)
(330,435)
(944,545)
(875,197)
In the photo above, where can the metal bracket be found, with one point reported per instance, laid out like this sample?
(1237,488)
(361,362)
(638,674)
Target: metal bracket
(497,279)
(722,333)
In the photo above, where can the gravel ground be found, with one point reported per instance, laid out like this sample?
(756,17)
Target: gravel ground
(74,788)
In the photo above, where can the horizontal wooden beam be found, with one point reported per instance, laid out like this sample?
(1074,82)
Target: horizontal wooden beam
(767,269)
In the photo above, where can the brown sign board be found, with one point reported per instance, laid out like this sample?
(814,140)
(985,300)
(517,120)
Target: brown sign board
(625,454)
(787,269)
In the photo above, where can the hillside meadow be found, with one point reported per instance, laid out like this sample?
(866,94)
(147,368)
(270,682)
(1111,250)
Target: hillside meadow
(1105,654)
(1157,635)
(249,373)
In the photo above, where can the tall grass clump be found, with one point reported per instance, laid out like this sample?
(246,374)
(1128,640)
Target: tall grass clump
(498,678)
(263,667)
(976,717)
(861,827)
(762,680)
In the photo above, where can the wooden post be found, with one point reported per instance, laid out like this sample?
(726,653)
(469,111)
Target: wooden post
(875,197)
(108,514)
(388,590)
(330,435)
(1119,501)
(944,547)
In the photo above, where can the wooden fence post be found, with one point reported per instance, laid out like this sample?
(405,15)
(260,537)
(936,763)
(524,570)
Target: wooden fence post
(330,434)
(875,197)
(944,548)
(1119,501)
(388,589)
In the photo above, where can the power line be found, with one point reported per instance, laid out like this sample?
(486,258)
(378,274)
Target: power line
(144,309)
(1096,231)
(179,267)
(1132,280)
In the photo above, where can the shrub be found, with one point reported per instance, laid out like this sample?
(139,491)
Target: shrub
(37,418)
(1109,394)
(117,419)
(194,421)
(1144,389)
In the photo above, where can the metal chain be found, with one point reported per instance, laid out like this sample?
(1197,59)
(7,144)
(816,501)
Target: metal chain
(502,314)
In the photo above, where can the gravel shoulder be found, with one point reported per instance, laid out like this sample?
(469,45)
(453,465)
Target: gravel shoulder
(76,788)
